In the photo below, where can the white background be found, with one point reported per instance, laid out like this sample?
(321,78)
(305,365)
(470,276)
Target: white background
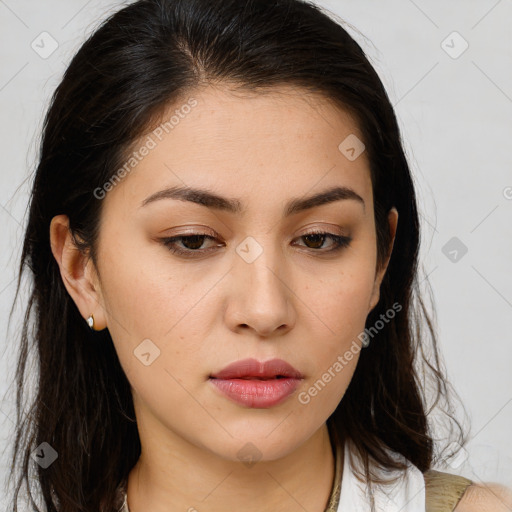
(456,119)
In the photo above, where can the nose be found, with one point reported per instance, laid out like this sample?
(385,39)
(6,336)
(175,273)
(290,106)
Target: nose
(261,297)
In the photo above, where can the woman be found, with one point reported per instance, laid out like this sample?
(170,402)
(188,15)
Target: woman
(224,238)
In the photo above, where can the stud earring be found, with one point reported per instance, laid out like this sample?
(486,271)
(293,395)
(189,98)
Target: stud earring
(90,322)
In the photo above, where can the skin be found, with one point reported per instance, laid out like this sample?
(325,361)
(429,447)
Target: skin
(296,301)
(487,497)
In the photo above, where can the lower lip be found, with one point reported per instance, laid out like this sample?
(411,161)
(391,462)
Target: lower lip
(257,393)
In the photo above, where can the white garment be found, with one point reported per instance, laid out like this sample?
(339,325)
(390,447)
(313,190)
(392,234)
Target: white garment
(406,495)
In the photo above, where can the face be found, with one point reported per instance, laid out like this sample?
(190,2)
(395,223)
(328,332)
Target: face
(239,262)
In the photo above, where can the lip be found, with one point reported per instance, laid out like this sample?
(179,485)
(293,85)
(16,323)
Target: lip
(257,384)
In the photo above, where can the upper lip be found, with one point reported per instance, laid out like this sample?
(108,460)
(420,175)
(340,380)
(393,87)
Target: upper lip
(251,368)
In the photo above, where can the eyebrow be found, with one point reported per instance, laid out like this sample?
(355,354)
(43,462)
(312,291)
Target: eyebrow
(232,205)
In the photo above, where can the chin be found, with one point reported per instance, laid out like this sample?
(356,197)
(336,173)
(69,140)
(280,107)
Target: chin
(264,444)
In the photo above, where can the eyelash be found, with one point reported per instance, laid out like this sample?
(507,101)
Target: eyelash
(340,242)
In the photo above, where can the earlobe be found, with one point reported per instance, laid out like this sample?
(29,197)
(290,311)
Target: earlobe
(77,272)
(393,223)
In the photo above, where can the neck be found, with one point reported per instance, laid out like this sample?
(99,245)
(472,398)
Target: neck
(195,480)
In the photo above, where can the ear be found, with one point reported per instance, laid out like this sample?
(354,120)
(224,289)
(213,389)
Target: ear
(392,221)
(77,271)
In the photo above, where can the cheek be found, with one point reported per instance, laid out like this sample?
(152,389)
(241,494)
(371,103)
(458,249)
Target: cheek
(324,390)
(145,295)
(340,299)
(334,366)
(156,312)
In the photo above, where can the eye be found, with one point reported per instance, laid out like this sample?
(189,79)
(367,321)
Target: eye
(316,239)
(191,245)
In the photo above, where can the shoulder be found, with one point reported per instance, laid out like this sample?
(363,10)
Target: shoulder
(485,497)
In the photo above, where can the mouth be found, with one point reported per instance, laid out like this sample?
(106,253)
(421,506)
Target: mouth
(260,378)
(253,369)
(257,385)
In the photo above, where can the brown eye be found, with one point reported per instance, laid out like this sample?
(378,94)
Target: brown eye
(190,244)
(315,240)
(193,242)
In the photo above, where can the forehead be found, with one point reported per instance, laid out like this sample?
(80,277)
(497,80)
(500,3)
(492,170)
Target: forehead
(266,146)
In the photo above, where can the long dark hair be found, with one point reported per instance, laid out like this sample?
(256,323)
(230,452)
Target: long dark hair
(141,59)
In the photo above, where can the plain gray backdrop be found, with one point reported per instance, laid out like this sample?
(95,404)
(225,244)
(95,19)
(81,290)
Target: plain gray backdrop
(447,67)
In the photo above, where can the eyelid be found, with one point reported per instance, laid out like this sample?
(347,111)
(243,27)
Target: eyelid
(194,230)
(340,242)
(204,231)
(334,230)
